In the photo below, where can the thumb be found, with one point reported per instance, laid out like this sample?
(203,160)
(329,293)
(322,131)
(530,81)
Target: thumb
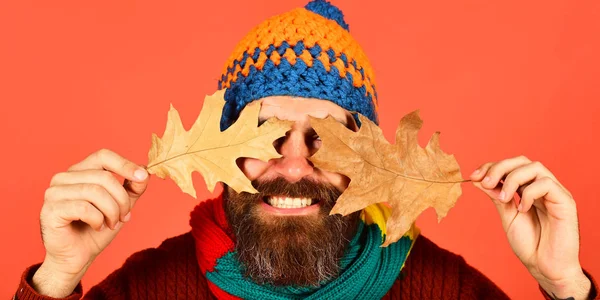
(492,193)
(135,189)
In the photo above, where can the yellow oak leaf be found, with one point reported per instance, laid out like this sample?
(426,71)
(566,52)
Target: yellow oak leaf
(204,148)
(406,176)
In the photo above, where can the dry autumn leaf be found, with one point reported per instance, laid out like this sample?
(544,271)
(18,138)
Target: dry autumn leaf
(409,178)
(204,148)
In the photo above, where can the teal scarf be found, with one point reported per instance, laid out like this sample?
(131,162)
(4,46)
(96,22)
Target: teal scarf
(367,271)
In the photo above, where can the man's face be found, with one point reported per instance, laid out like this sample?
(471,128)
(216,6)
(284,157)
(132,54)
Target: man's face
(284,234)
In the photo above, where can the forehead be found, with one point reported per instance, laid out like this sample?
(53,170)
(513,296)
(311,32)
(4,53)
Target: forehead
(298,109)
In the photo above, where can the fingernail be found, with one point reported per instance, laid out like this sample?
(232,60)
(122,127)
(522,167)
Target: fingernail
(502,195)
(475,172)
(487,179)
(102,227)
(127,217)
(520,208)
(140,174)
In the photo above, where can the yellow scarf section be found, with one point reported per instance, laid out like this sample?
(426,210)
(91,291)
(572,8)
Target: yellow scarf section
(378,214)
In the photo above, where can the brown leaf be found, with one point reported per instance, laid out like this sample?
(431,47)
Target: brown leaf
(204,148)
(408,177)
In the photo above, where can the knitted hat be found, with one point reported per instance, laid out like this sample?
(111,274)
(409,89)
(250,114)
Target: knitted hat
(307,52)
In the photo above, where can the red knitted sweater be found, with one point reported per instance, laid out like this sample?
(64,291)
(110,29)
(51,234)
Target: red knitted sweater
(171,272)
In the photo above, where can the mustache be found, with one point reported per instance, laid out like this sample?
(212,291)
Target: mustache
(304,188)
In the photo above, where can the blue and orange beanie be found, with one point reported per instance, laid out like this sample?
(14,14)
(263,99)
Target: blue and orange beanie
(307,52)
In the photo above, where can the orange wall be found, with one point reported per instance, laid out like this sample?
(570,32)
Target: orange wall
(499,80)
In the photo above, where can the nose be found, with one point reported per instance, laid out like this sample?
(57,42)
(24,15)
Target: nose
(294,163)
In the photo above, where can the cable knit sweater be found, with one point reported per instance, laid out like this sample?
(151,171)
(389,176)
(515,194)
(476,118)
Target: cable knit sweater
(171,272)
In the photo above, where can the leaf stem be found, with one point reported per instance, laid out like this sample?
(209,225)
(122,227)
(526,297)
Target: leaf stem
(432,181)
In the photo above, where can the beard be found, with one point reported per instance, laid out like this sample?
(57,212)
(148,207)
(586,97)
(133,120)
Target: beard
(288,250)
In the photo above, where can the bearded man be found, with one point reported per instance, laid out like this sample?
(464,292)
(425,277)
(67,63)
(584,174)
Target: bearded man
(281,243)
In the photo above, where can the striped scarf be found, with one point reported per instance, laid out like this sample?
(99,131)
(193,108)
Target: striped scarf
(367,271)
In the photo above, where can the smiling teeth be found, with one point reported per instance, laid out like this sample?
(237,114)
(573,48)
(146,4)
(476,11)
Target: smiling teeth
(286,202)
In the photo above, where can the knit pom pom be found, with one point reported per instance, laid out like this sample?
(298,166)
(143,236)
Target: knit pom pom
(329,11)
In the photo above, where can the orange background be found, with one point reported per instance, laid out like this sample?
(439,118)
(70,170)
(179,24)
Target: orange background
(498,79)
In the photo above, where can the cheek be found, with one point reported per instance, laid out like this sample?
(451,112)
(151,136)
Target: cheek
(252,168)
(339,181)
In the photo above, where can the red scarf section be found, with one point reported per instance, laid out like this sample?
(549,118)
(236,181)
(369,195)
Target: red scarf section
(210,230)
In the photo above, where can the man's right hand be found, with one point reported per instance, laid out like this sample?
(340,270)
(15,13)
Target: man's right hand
(84,209)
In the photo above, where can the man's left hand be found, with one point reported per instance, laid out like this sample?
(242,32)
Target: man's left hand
(542,227)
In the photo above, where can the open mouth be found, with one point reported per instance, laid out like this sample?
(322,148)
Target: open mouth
(289,202)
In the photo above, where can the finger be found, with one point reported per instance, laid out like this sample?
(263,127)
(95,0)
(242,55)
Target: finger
(548,189)
(101,178)
(68,211)
(93,193)
(501,169)
(478,174)
(108,160)
(521,176)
